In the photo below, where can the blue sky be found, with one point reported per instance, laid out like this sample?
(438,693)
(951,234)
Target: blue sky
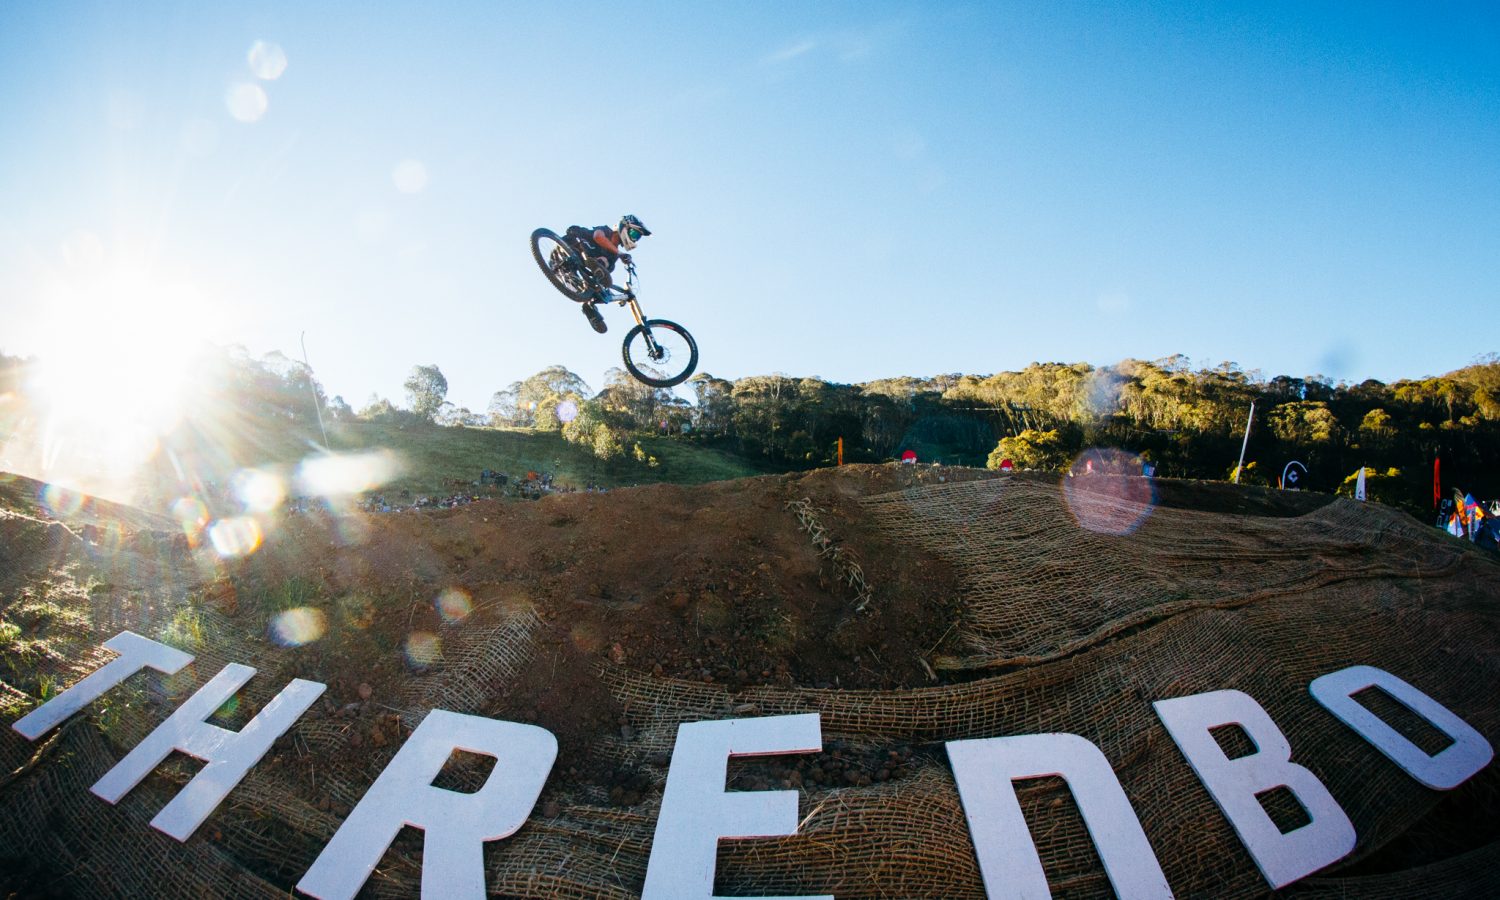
(848,190)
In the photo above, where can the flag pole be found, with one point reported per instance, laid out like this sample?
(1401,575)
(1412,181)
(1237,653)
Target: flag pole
(1241,464)
(318,407)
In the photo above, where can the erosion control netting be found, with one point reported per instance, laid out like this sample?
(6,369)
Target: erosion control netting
(1046,575)
(991,606)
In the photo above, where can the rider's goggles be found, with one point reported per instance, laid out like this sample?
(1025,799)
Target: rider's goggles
(634,233)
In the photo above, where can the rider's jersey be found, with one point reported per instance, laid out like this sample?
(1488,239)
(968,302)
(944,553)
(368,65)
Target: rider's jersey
(583,240)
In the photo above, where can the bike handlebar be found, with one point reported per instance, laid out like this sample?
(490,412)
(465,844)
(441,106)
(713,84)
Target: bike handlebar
(619,295)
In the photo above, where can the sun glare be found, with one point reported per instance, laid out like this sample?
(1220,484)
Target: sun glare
(346,474)
(113,369)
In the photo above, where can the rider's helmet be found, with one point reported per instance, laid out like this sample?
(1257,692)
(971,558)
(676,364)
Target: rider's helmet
(631,230)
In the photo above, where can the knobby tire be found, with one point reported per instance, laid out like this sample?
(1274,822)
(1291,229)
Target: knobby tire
(545,265)
(637,335)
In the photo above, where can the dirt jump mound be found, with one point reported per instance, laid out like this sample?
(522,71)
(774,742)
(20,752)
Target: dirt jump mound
(918,613)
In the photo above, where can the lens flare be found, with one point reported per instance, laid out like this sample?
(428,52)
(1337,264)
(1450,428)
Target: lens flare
(295,627)
(423,649)
(60,502)
(410,176)
(109,538)
(259,490)
(267,60)
(356,611)
(339,475)
(180,683)
(228,708)
(1107,493)
(454,605)
(351,528)
(192,515)
(246,101)
(239,536)
(567,411)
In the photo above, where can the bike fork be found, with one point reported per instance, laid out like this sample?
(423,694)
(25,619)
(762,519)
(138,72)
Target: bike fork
(652,348)
(635,310)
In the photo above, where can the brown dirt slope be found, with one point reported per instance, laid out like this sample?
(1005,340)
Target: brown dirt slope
(906,606)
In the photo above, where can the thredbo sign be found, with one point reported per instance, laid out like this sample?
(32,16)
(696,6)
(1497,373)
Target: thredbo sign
(696,811)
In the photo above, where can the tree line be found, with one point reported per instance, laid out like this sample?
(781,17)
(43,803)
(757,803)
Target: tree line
(1186,422)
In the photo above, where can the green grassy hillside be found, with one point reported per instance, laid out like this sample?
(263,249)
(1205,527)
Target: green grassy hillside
(432,457)
(438,461)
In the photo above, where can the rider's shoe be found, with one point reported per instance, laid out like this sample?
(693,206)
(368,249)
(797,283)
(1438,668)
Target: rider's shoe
(595,320)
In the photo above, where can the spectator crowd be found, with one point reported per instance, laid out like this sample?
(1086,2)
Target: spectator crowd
(1464,517)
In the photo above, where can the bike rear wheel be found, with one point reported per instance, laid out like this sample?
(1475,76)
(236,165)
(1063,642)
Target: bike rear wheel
(660,353)
(562,265)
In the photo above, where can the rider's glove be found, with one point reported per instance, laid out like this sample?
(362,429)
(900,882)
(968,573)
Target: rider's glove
(625,258)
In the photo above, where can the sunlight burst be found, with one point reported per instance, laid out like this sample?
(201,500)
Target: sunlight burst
(114,370)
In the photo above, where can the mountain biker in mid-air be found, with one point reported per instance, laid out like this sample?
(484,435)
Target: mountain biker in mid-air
(656,352)
(601,247)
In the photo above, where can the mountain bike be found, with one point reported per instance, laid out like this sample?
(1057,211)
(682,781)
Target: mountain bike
(656,352)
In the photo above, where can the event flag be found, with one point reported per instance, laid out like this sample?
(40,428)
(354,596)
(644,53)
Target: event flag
(1459,525)
(1437,491)
(1359,486)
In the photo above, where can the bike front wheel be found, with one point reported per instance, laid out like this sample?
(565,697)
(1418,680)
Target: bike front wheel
(562,265)
(660,353)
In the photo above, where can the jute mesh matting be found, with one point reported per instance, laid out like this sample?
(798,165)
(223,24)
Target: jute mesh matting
(1062,629)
